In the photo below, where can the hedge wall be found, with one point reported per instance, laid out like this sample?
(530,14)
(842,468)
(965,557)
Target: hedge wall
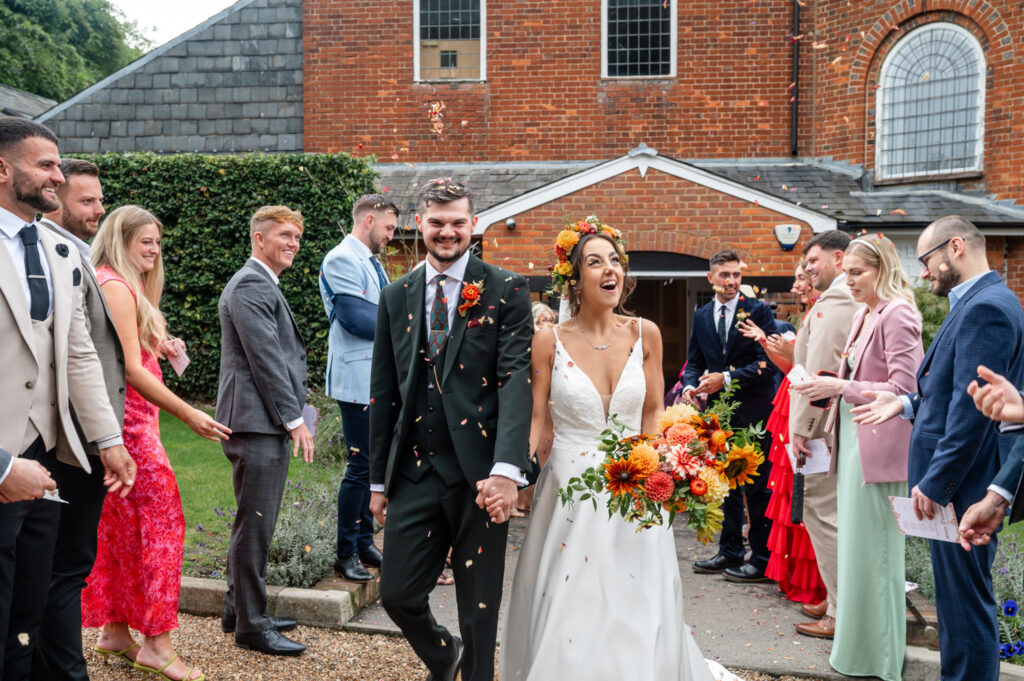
(205,203)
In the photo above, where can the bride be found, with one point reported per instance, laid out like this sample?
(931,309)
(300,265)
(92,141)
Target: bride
(593,598)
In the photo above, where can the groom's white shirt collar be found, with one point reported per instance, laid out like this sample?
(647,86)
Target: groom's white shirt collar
(457,272)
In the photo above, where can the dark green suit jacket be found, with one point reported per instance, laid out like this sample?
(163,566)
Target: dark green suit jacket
(1009,478)
(484,380)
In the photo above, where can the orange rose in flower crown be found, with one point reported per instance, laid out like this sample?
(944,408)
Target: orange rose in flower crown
(471,296)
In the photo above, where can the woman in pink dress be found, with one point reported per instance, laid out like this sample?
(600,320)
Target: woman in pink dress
(137,576)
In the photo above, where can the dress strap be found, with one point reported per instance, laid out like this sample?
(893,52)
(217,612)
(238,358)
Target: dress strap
(640,328)
(554,330)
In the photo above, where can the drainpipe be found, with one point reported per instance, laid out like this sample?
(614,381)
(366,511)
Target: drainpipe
(794,104)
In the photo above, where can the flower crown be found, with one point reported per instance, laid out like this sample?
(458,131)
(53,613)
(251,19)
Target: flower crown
(570,235)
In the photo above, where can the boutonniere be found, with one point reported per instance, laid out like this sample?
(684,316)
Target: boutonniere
(471,293)
(62,250)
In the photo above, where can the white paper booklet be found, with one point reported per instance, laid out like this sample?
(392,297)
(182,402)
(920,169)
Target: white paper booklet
(798,374)
(818,462)
(943,526)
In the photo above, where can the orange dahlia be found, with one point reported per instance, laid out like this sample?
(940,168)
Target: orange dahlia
(698,487)
(740,465)
(677,413)
(681,434)
(645,457)
(567,238)
(659,487)
(623,475)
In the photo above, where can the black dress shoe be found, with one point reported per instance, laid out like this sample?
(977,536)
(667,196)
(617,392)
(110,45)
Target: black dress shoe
(351,569)
(745,573)
(715,565)
(227,623)
(269,642)
(453,669)
(371,556)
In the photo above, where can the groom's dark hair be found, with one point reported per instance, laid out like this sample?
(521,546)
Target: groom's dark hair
(442,190)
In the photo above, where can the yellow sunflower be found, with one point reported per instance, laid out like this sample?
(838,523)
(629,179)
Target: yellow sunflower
(624,476)
(740,465)
(645,458)
(677,413)
(713,523)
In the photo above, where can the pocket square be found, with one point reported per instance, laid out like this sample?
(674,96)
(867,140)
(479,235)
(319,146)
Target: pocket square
(76,277)
(479,321)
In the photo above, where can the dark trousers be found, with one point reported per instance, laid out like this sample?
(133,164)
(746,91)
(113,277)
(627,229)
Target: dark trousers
(425,518)
(355,522)
(730,543)
(966,609)
(260,468)
(58,654)
(28,534)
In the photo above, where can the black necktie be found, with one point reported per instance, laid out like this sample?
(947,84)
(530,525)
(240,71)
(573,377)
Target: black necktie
(722,335)
(39,291)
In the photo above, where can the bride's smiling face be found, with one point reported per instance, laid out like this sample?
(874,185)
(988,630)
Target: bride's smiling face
(601,273)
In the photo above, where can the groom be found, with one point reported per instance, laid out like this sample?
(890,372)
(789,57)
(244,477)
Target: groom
(449,425)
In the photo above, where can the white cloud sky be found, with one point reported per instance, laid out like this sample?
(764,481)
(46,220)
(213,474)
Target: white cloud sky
(162,20)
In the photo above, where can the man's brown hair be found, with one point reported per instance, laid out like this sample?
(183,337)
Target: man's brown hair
(274,215)
(442,190)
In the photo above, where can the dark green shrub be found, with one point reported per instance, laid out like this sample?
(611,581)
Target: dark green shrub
(933,310)
(205,203)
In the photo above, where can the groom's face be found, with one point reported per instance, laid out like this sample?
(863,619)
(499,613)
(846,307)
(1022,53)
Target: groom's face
(446,229)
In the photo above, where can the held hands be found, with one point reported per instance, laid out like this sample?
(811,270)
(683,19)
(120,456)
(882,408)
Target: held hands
(923,506)
(379,506)
(204,426)
(999,400)
(884,406)
(497,495)
(26,480)
(821,388)
(301,437)
(981,520)
(119,470)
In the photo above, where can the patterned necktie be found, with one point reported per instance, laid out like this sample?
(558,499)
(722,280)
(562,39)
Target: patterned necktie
(722,335)
(438,318)
(38,289)
(380,271)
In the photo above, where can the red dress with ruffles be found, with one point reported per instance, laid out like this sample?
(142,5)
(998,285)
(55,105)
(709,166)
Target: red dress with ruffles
(141,538)
(792,562)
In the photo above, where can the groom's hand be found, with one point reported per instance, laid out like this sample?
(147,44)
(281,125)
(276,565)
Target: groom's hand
(378,506)
(496,495)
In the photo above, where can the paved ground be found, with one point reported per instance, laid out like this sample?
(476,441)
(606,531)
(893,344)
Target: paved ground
(741,626)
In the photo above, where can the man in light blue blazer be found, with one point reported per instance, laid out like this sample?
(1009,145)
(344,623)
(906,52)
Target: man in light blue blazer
(351,279)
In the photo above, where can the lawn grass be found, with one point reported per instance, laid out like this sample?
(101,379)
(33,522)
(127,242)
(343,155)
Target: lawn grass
(207,495)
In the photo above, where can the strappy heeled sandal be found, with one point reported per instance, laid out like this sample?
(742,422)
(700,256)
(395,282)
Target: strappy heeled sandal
(160,672)
(120,654)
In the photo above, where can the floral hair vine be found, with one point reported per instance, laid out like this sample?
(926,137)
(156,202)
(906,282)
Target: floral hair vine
(561,271)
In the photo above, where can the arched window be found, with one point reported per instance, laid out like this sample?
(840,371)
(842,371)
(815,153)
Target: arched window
(931,104)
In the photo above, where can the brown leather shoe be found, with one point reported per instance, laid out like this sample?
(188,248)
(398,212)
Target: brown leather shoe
(823,628)
(816,611)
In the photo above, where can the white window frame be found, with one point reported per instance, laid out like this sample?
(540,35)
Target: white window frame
(673,50)
(880,103)
(416,48)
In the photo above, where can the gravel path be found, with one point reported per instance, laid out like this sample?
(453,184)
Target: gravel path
(331,656)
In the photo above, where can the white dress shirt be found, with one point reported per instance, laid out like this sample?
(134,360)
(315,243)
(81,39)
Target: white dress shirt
(730,315)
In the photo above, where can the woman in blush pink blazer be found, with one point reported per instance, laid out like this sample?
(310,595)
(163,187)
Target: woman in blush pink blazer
(883,352)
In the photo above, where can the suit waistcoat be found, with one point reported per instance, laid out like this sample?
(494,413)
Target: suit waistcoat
(429,444)
(42,415)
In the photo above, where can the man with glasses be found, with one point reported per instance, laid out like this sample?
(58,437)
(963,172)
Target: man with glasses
(955,451)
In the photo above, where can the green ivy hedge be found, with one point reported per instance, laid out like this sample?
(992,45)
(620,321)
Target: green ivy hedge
(205,203)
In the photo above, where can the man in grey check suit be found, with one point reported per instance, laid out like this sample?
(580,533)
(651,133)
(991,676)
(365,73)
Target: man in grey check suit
(51,368)
(260,397)
(351,279)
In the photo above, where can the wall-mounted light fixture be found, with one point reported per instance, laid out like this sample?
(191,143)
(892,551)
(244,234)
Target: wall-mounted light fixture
(510,224)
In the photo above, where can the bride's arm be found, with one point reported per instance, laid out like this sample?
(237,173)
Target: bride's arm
(542,353)
(652,374)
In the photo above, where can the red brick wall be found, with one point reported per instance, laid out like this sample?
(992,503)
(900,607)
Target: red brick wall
(657,213)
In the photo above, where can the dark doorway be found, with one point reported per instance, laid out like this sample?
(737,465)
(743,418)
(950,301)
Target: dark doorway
(664,301)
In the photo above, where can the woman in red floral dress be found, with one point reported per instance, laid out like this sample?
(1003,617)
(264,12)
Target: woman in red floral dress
(137,576)
(792,562)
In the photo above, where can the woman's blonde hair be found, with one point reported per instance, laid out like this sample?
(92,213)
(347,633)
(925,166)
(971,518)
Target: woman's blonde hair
(111,248)
(879,252)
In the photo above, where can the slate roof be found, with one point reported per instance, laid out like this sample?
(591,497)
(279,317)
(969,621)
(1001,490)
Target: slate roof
(838,190)
(15,102)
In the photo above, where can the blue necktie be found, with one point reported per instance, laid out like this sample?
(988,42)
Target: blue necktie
(380,271)
(39,291)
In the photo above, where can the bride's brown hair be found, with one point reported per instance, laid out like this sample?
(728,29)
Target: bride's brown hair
(576,258)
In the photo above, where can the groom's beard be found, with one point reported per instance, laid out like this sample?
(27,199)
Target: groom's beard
(447,257)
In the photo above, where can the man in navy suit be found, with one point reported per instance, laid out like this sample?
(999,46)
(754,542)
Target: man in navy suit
(719,355)
(955,451)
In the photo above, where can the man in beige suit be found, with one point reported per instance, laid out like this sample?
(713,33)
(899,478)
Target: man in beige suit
(819,348)
(51,366)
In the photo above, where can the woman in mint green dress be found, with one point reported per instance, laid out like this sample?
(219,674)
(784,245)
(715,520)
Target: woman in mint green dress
(883,352)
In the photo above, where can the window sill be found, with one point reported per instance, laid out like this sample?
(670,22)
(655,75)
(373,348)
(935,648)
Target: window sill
(448,81)
(936,177)
(646,79)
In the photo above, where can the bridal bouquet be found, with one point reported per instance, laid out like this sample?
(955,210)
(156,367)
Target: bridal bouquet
(691,464)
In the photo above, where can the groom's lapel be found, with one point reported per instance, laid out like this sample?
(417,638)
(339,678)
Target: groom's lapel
(474,272)
(416,302)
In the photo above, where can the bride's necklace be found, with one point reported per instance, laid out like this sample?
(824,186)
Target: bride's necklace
(587,338)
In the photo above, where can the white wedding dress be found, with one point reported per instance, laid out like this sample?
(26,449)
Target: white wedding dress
(593,598)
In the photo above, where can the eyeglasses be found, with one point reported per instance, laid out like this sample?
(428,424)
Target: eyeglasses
(923,259)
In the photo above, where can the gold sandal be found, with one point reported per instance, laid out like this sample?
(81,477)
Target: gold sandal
(160,672)
(107,654)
